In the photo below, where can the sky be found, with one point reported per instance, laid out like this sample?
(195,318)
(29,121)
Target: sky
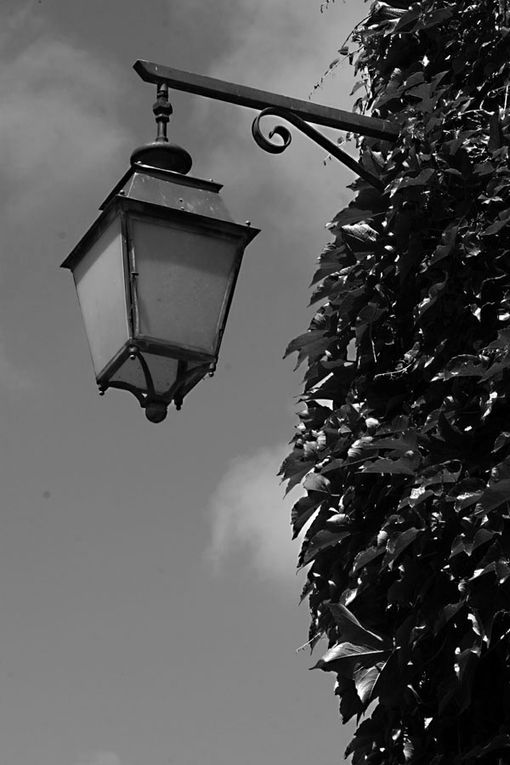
(148,595)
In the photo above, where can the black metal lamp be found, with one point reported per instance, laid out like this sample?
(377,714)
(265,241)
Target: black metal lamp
(155,275)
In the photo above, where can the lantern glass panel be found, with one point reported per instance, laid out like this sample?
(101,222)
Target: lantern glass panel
(183,282)
(163,371)
(99,279)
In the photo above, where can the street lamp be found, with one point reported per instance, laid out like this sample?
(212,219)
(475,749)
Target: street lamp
(155,273)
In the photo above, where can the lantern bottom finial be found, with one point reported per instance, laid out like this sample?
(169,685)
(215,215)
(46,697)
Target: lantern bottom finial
(156,411)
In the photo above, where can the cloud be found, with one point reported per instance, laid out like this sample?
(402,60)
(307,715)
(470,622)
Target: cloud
(16,21)
(58,123)
(258,31)
(99,758)
(296,185)
(60,135)
(14,378)
(251,518)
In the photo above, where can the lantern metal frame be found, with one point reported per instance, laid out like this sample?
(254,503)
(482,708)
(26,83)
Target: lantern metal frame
(193,364)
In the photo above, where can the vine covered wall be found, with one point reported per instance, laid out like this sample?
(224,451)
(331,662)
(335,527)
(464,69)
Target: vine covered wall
(403,445)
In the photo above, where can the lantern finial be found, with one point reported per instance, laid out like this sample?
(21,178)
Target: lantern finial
(156,411)
(160,153)
(162,109)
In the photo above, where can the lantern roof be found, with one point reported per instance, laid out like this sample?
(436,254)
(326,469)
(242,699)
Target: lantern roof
(171,193)
(172,190)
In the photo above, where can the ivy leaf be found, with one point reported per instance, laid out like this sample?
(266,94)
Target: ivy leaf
(497,744)
(495,228)
(350,704)
(407,21)
(417,495)
(366,556)
(465,667)
(462,366)
(423,178)
(303,511)
(495,371)
(396,546)
(417,78)
(351,214)
(363,742)
(448,241)
(465,499)
(321,541)
(495,133)
(365,680)
(495,496)
(502,343)
(500,569)
(502,440)
(406,442)
(350,628)
(360,236)
(317,483)
(438,17)
(462,545)
(349,300)
(483,168)
(433,294)
(294,468)
(404,466)
(311,344)
(368,315)
(447,614)
(352,418)
(345,657)
(361,446)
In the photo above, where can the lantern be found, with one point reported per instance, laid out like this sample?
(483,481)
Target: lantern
(155,275)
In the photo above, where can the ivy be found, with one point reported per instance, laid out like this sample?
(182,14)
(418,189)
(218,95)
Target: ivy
(403,446)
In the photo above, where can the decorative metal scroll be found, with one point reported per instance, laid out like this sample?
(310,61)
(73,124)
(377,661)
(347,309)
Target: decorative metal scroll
(284,134)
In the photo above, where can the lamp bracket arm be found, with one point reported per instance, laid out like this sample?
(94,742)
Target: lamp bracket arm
(325,143)
(253,98)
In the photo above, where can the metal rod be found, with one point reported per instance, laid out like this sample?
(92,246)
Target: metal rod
(162,110)
(253,98)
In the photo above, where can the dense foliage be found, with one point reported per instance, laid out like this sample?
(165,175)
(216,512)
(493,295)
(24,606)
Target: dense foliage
(403,445)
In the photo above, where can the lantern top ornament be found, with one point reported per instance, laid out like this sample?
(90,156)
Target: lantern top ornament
(155,275)
(160,153)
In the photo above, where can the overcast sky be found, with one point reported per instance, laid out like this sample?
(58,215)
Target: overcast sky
(148,596)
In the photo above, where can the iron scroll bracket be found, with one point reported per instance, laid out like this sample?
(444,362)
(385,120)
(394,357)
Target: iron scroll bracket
(301,114)
(318,138)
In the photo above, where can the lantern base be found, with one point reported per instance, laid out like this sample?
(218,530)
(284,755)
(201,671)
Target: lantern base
(156,380)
